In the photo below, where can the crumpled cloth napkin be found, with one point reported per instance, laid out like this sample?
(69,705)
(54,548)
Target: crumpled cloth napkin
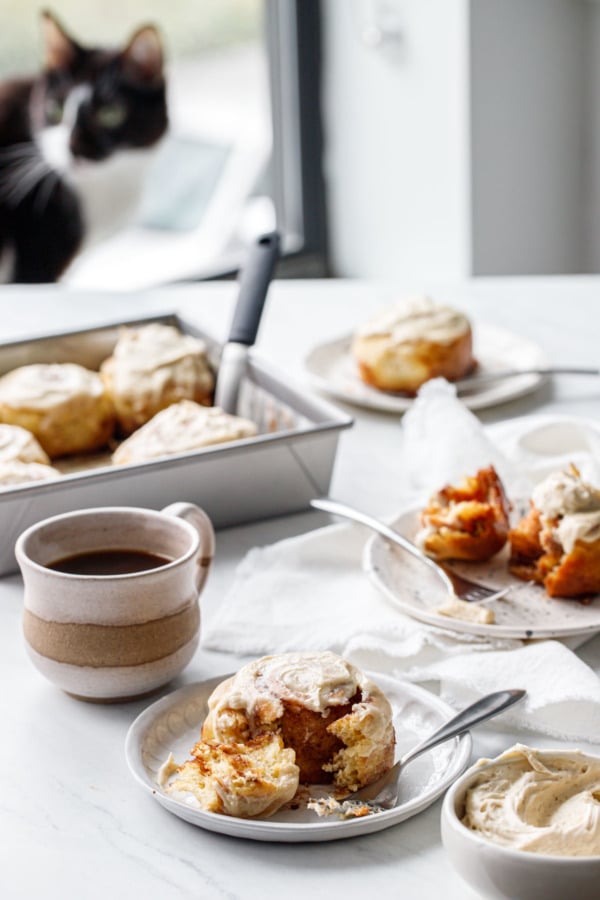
(309,592)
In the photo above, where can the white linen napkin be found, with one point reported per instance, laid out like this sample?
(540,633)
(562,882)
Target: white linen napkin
(310,592)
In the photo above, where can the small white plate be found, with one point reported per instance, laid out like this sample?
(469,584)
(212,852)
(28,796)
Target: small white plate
(332,369)
(525,613)
(172,725)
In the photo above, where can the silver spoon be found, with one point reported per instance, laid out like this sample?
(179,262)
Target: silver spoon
(383,794)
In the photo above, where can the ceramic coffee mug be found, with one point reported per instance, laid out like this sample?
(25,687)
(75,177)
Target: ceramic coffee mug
(134,623)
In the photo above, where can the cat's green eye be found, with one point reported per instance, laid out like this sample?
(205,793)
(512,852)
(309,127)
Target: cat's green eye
(54,111)
(111,115)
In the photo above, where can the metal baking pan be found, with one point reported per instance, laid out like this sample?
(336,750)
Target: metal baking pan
(274,473)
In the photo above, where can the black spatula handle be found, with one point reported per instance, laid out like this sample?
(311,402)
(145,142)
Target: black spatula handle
(256,275)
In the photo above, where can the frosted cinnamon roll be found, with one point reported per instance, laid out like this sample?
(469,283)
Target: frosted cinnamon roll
(338,723)
(557,543)
(14,472)
(65,406)
(412,341)
(152,367)
(180,428)
(17,443)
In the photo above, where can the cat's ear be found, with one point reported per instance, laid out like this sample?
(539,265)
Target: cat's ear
(143,57)
(60,50)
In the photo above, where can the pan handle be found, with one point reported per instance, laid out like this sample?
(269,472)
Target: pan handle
(255,278)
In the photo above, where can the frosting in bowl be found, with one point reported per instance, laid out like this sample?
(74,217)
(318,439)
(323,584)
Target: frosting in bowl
(535,801)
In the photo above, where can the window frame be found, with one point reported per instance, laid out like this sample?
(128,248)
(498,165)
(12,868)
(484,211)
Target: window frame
(293,38)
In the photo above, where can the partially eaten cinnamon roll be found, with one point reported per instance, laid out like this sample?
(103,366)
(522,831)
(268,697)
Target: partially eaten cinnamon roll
(289,719)
(557,543)
(468,521)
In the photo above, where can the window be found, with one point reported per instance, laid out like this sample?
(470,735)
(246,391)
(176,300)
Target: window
(241,152)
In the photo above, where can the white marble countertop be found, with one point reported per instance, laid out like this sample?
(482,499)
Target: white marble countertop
(73,823)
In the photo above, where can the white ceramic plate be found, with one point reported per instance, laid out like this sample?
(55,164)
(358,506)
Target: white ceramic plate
(526,612)
(332,369)
(173,725)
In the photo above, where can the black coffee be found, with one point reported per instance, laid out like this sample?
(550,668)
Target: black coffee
(109,562)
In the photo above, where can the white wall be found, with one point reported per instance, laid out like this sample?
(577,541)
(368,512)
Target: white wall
(396,138)
(527,135)
(475,150)
(591,197)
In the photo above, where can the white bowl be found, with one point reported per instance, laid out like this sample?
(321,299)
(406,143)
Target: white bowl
(501,872)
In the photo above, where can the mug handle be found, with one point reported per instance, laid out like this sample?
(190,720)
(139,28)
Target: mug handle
(198,518)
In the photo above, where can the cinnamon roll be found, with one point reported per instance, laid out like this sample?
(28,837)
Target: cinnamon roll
(65,406)
(337,721)
(180,428)
(14,472)
(153,366)
(17,443)
(412,341)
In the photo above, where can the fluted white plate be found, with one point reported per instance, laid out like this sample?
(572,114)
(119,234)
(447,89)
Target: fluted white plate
(525,613)
(332,369)
(172,725)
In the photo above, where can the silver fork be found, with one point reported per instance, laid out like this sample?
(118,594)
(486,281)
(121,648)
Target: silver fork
(383,794)
(456,585)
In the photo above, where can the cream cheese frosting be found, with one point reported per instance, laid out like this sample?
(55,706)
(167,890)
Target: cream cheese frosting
(573,504)
(316,681)
(539,802)
(17,443)
(14,472)
(565,493)
(180,428)
(45,385)
(148,358)
(415,319)
(578,527)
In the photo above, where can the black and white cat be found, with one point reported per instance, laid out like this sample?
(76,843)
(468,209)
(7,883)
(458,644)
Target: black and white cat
(73,146)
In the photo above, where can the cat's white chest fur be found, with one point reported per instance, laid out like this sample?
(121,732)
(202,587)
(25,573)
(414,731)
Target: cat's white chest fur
(109,191)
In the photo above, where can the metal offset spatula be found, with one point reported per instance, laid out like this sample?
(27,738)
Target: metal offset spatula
(254,281)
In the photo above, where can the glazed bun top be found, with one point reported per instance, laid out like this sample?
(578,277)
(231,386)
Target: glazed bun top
(44,385)
(415,319)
